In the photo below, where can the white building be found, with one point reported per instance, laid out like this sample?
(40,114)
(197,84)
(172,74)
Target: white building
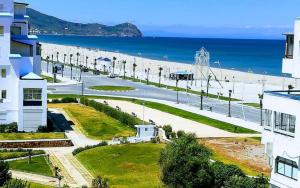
(281,134)
(23,93)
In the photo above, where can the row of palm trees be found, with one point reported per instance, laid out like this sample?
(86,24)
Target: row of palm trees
(81,67)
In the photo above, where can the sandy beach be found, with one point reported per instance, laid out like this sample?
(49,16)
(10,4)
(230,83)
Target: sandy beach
(246,85)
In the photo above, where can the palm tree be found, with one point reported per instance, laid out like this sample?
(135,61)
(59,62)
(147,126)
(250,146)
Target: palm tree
(114,64)
(104,69)
(95,68)
(147,71)
(134,69)
(159,74)
(77,54)
(71,55)
(124,66)
(47,59)
(86,61)
(63,65)
(80,66)
(52,61)
(57,53)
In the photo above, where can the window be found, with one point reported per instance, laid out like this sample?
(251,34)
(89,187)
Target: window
(14,30)
(1,30)
(3,73)
(38,49)
(268,119)
(286,168)
(3,94)
(32,97)
(284,122)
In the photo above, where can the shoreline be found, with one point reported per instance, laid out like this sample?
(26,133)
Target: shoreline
(230,74)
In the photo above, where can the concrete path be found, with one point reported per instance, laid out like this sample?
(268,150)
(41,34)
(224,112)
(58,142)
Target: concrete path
(177,123)
(45,180)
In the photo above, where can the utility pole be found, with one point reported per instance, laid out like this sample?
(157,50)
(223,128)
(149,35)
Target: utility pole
(261,97)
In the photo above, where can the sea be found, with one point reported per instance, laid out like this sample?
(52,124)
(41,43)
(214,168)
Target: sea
(258,56)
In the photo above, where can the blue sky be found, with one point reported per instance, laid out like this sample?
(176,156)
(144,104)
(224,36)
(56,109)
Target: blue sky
(192,18)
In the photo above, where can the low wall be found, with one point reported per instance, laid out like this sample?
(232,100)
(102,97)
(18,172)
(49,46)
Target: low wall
(36,143)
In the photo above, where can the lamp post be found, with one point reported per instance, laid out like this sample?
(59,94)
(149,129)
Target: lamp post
(207,87)
(177,80)
(201,102)
(261,97)
(233,84)
(229,104)
(71,55)
(47,59)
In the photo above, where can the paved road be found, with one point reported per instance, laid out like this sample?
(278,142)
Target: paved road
(145,91)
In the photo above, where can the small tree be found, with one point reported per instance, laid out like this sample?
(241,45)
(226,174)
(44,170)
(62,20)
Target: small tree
(4,173)
(185,163)
(100,182)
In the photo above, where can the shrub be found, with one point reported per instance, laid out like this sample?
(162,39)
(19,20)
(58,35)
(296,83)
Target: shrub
(16,183)
(9,128)
(246,182)
(122,117)
(222,172)
(180,133)
(168,130)
(185,163)
(4,173)
(81,149)
(69,100)
(100,182)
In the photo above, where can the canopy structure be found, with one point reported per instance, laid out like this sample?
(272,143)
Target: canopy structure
(182,75)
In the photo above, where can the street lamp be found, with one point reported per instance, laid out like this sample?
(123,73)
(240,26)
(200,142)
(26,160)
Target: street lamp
(261,97)
(201,103)
(177,80)
(207,87)
(229,104)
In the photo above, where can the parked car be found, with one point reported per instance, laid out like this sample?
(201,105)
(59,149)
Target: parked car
(113,76)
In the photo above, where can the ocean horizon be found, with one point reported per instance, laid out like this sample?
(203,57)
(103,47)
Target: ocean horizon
(260,56)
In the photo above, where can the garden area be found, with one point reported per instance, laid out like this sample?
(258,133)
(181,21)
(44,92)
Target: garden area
(38,165)
(125,165)
(95,124)
(112,88)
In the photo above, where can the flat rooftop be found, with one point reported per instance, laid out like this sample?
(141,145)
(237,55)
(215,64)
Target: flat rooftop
(291,94)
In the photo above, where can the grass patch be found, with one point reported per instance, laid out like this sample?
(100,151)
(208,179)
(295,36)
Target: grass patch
(133,165)
(31,136)
(255,105)
(180,89)
(37,185)
(175,111)
(39,165)
(50,79)
(94,124)
(10,154)
(112,88)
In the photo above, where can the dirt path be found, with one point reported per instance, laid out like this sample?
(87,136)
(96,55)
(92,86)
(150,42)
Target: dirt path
(177,123)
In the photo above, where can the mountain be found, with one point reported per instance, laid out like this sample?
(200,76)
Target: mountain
(44,24)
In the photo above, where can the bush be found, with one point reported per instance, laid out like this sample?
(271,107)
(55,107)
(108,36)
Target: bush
(246,182)
(4,173)
(100,182)
(16,183)
(81,149)
(122,117)
(9,128)
(17,153)
(180,134)
(168,130)
(185,163)
(223,172)
(65,100)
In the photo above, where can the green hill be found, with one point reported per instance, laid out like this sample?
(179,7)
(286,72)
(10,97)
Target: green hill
(44,24)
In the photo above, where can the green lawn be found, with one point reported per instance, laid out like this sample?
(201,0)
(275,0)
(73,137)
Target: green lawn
(37,185)
(17,154)
(50,79)
(39,165)
(132,165)
(175,111)
(94,124)
(112,88)
(181,89)
(31,136)
(255,105)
